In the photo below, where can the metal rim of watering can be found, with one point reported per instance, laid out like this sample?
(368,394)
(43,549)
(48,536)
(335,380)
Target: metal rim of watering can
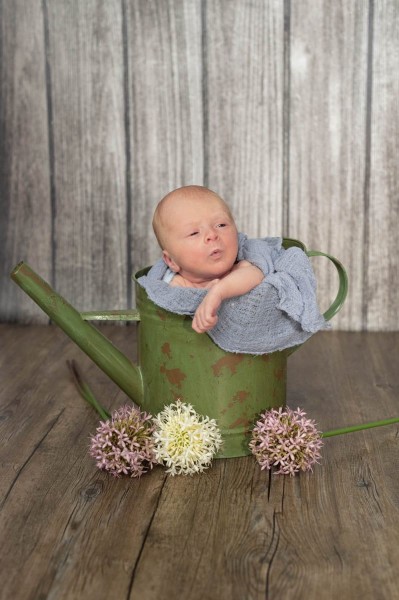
(343,284)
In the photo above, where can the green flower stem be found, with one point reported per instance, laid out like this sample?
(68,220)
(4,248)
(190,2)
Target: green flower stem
(86,392)
(359,427)
(92,400)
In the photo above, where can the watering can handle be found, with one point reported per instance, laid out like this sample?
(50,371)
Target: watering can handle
(341,295)
(343,284)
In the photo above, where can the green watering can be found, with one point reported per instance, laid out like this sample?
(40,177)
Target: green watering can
(176,362)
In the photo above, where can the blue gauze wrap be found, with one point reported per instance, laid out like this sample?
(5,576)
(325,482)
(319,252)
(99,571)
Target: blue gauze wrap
(279,313)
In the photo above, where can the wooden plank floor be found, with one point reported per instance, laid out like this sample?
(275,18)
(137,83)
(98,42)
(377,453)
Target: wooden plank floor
(68,530)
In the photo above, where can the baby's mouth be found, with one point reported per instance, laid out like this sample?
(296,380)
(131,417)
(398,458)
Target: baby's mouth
(216,253)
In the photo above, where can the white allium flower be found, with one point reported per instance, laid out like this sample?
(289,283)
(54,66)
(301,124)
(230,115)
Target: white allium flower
(185,441)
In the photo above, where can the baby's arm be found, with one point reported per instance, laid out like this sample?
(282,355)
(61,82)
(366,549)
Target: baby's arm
(243,278)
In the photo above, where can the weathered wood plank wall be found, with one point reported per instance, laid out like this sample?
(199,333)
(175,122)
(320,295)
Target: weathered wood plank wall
(289,109)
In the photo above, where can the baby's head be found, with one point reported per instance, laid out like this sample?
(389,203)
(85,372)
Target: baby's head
(197,233)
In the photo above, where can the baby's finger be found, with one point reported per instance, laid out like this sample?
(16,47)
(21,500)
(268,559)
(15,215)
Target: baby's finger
(200,325)
(197,324)
(210,324)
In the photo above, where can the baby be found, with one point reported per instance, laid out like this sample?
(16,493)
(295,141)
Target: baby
(199,242)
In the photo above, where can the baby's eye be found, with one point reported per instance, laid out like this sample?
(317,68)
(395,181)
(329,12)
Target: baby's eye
(222,225)
(193,233)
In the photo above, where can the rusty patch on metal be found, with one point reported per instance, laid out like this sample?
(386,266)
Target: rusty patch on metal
(240,422)
(166,350)
(279,374)
(227,362)
(266,357)
(238,398)
(175,376)
(241,396)
(161,315)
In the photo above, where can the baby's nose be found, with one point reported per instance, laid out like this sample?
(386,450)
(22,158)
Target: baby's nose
(211,235)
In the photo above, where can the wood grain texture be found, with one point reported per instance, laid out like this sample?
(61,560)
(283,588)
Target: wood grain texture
(87,93)
(230,533)
(382,284)
(164,57)
(244,78)
(45,429)
(327,141)
(288,109)
(25,202)
(215,531)
(350,379)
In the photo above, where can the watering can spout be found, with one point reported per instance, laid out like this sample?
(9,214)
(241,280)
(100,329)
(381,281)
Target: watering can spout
(110,359)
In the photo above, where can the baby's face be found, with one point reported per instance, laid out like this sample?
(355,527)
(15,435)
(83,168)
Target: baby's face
(201,240)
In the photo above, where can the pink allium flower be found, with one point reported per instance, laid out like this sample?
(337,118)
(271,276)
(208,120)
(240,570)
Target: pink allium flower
(124,444)
(286,440)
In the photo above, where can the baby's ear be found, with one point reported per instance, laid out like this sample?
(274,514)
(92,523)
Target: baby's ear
(170,262)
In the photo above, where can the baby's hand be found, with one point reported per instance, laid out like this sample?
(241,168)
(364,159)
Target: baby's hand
(205,316)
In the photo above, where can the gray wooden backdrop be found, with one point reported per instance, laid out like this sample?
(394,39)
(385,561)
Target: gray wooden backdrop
(287,108)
